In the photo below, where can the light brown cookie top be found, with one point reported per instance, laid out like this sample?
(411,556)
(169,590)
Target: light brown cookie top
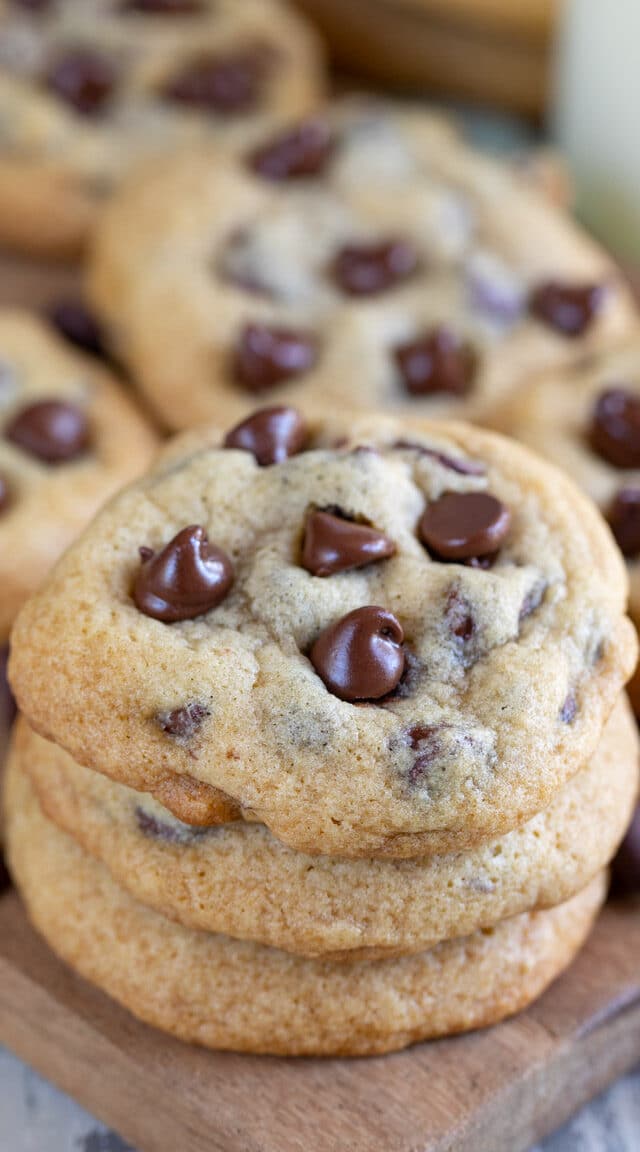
(400,639)
(367,257)
(241,881)
(87,89)
(587,421)
(224,993)
(69,438)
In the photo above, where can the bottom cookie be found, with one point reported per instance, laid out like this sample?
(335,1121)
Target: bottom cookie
(225,993)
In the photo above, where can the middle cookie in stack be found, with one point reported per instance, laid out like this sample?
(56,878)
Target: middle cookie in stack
(394,645)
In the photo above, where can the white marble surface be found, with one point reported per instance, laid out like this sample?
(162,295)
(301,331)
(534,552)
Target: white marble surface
(34,1117)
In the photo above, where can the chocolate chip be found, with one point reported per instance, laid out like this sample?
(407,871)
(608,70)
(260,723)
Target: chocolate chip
(225,84)
(624,520)
(625,869)
(368,269)
(455,464)
(187,578)
(50,430)
(183,723)
(168,833)
(459,615)
(467,526)
(83,78)
(569,309)
(295,155)
(569,709)
(164,7)
(335,544)
(360,656)
(271,435)
(439,361)
(615,428)
(267,356)
(78,325)
(425,739)
(4,494)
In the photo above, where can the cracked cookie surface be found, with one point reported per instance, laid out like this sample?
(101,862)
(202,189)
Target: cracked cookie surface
(505,665)
(224,993)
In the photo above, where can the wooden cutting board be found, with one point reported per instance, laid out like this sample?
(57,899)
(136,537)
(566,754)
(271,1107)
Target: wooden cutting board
(494,1091)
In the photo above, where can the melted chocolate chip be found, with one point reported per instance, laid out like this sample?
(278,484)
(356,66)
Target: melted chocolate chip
(168,833)
(624,520)
(183,723)
(164,7)
(187,578)
(4,494)
(459,615)
(271,435)
(615,428)
(295,155)
(569,709)
(83,78)
(439,361)
(335,544)
(78,325)
(424,739)
(360,656)
(625,869)
(50,430)
(368,269)
(267,356)
(569,309)
(462,467)
(225,84)
(467,526)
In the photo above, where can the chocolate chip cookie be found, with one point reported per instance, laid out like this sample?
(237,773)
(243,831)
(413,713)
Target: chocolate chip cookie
(367,257)
(69,438)
(87,89)
(225,993)
(377,637)
(241,881)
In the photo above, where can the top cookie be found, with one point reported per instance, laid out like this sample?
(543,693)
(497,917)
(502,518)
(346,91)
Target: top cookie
(368,257)
(376,637)
(88,88)
(69,438)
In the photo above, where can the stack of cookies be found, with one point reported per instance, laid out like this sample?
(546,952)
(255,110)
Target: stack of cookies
(325,748)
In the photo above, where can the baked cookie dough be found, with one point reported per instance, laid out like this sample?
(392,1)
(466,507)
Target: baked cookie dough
(399,639)
(89,88)
(226,993)
(239,880)
(69,439)
(366,257)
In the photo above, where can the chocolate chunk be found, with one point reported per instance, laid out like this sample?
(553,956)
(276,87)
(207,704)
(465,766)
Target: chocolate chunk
(615,428)
(368,269)
(78,325)
(569,309)
(464,526)
(624,520)
(51,430)
(183,723)
(360,656)
(4,494)
(164,7)
(625,870)
(295,155)
(424,739)
(439,361)
(271,435)
(83,78)
(454,463)
(459,615)
(569,709)
(187,578)
(267,356)
(335,544)
(226,84)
